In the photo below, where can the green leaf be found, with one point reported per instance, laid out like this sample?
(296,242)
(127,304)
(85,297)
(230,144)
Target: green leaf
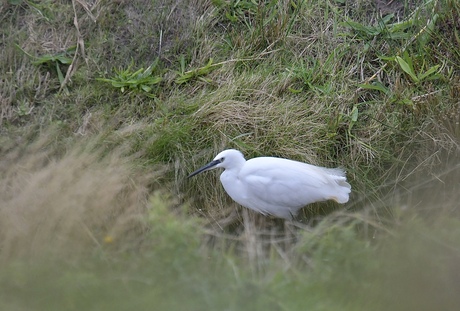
(387,58)
(156,80)
(61,79)
(195,73)
(48,59)
(116,83)
(60,75)
(368,30)
(386,18)
(375,86)
(429,72)
(135,74)
(146,88)
(407,68)
(354,114)
(401,26)
(399,35)
(353,118)
(230,17)
(426,35)
(63,59)
(295,91)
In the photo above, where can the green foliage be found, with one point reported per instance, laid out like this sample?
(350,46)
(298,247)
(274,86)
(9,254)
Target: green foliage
(318,75)
(175,238)
(55,61)
(62,58)
(172,135)
(378,86)
(332,263)
(383,28)
(143,80)
(140,81)
(311,75)
(43,8)
(237,10)
(406,64)
(198,73)
(261,24)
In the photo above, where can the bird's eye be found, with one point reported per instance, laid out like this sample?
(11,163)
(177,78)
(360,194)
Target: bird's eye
(222,159)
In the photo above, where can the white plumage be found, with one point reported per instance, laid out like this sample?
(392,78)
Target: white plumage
(276,186)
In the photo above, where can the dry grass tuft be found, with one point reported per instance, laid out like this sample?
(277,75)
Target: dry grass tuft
(70,204)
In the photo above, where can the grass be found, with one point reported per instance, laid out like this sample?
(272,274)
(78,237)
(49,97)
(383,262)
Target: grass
(106,107)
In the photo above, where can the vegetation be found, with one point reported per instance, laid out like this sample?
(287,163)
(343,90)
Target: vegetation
(106,106)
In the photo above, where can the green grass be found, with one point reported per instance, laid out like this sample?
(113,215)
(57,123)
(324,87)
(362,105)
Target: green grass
(106,107)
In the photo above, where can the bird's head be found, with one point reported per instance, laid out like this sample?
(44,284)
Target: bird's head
(227,159)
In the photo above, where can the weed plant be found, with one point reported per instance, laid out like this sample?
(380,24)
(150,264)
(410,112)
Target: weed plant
(107,106)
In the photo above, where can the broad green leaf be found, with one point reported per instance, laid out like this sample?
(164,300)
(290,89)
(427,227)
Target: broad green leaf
(401,26)
(63,59)
(375,86)
(353,118)
(354,114)
(117,84)
(406,68)
(146,88)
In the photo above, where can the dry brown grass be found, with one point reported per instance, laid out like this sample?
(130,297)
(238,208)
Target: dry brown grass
(71,204)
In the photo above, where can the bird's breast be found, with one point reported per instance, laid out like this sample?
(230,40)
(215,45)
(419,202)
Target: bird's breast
(234,187)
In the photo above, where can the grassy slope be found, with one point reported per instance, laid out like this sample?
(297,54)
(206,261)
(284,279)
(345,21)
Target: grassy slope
(95,211)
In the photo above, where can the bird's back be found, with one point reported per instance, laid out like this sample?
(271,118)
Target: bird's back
(281,186)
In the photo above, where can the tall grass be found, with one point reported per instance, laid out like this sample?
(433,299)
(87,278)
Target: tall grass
(95,208)
(64,205)
(79,230)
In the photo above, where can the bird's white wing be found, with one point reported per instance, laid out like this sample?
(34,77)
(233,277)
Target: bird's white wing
(283,182)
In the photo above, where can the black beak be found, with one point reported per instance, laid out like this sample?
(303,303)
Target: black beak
(208,166)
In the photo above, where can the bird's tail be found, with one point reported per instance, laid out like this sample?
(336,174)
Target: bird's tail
(343,190)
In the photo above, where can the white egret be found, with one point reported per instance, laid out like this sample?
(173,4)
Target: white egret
(276,186)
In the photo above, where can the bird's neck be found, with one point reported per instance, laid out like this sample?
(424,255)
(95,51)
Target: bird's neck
(232,184)
(233,171)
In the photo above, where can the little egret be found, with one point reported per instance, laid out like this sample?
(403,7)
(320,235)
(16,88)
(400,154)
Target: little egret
(276,186)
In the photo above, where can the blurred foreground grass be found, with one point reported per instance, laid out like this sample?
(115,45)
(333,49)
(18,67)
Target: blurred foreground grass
(78,231)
